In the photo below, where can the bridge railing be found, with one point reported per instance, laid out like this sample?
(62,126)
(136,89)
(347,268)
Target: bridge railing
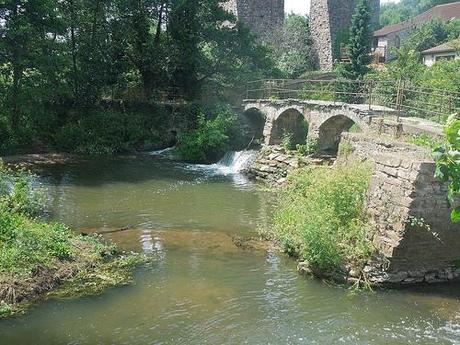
(405,98)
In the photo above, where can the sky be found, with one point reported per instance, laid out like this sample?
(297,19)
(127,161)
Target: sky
(303,6)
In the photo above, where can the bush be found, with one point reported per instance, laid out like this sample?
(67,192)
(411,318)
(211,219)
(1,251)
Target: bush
(287,141)
(17,192)
(109,131)
(309,148)
(321,216)
(209,141)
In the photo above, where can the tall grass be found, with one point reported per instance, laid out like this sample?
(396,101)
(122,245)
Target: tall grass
(321,216)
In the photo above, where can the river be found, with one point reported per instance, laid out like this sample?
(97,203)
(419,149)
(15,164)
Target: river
(200,288)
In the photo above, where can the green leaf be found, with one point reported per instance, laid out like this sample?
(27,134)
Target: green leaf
(455,216)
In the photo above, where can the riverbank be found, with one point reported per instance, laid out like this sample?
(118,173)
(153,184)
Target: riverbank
(93,267)
(40,259)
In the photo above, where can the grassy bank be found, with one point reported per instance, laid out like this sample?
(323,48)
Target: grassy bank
(320,218)
(37,257)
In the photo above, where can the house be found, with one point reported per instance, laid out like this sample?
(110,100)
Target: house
(391,36)
(446,51)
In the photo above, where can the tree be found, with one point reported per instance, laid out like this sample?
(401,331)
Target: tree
(62,62)
(359,45)
(24,29)
(292,47)
(396,12)
(431,34)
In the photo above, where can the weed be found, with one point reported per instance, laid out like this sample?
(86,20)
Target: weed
(321,216)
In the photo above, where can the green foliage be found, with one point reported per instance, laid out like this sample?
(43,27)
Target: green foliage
(431,34)
(426,90)
(293,47)
(345,149)
(448,163)
(287,141)
(309,148)
(321,217)
(62,63)
(396,12)
(342,39)
(25,242)
(209,141)
(425,140)
(112,131)
(359,45)
(5,309)
(317,91)
(19,192)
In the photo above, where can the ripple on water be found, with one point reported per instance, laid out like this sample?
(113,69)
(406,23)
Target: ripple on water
(201,288)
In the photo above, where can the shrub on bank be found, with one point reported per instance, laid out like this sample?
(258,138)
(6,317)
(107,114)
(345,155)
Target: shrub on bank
(109,131)
(210,138)
(321,216)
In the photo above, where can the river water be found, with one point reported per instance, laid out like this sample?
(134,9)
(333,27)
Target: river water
(202,289)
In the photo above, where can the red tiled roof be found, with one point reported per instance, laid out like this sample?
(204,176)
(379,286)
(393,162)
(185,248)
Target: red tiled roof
(445,12)
(443,48)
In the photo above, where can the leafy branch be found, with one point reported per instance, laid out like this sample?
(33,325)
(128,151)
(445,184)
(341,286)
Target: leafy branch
(448,163)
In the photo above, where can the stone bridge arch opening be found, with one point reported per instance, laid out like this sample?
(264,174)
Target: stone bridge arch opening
(292,123)
(330,133)
(254,123)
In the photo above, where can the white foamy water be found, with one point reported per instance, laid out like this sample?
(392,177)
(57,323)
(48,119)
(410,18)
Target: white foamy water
(163,152)
(232,163)
(236,161)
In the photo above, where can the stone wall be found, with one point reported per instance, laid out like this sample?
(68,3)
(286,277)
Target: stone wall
(327,19)
(415,239)
(263,17)
(274,163)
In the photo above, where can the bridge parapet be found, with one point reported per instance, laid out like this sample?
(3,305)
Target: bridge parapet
(327,120)
(405,97)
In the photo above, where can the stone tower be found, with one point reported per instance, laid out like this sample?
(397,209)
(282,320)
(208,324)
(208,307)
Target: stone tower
(263,17)
(328,21)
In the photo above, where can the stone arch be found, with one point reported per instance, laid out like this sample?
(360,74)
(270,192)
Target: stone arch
(289,121)
(330,132)
(254,120)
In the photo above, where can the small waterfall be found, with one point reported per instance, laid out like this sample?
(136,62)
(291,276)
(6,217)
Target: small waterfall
(236,161)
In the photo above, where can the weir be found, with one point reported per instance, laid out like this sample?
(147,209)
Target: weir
(236,161)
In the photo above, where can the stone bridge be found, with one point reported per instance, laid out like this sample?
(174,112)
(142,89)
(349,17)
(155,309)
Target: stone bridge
(323,121)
